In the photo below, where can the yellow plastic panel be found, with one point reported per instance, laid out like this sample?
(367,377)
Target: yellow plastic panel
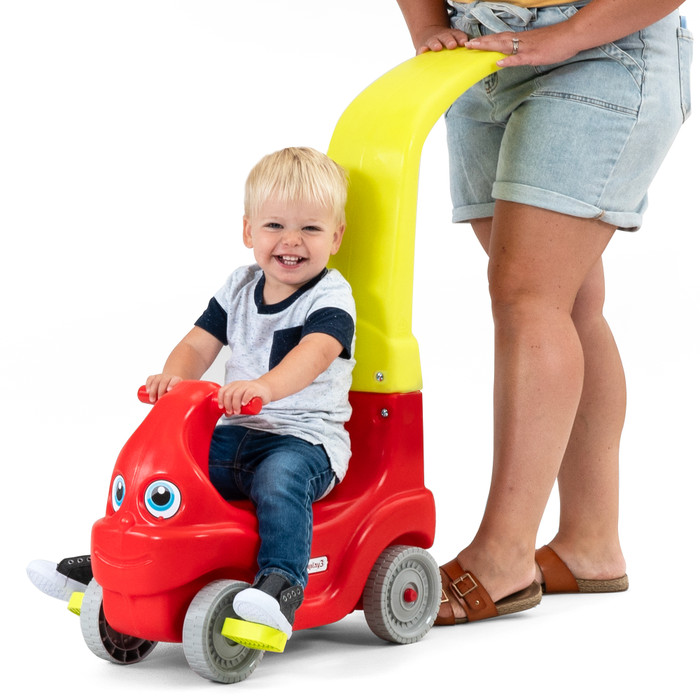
(379,139)
(75,603)
(254,635)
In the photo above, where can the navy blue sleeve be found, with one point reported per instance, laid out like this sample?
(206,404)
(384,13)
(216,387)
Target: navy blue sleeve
(334,322)
(214,320)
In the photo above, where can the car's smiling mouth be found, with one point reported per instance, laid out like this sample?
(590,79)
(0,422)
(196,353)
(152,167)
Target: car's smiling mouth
(121,563)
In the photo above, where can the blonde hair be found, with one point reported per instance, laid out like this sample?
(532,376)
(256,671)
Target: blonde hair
(297,174)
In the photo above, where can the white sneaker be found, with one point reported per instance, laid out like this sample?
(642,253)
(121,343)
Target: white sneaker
(44,575)
(253,605)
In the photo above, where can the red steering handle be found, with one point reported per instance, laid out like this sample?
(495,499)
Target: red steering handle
(252,408)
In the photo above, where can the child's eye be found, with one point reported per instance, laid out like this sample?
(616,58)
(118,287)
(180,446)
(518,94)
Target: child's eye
(273,225)
(312,229)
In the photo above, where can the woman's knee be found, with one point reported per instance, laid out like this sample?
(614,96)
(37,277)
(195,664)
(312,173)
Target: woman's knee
(518,294)
(590,299)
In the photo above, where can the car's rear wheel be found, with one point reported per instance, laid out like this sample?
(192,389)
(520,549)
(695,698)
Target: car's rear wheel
(402,594)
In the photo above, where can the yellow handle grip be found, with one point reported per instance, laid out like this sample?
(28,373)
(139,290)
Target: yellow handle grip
(379,139)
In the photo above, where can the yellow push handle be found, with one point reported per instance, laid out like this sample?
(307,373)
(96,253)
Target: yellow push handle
(379,139)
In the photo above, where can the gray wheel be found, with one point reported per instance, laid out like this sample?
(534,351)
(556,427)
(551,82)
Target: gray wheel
(103,640)
(208,653)
(402,594)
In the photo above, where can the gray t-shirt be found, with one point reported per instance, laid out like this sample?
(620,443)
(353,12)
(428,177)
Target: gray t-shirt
(260,335)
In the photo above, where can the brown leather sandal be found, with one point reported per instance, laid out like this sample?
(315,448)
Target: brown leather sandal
(464,599)
(557,578)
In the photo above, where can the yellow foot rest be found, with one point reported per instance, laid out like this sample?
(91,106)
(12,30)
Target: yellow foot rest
(254,635)
(75,602)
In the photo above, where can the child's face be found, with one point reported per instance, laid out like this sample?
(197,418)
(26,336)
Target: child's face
(292,243)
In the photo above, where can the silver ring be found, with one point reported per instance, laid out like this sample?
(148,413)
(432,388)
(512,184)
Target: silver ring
(516,41)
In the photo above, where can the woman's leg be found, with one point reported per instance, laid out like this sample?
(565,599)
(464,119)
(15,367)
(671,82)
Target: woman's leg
(589,475)
(538,262)
(588,478)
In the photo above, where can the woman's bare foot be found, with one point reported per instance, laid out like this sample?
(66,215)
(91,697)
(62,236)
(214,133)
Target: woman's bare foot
(587,561)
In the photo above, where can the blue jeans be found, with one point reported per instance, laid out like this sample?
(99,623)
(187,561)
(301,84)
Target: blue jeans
(282,475)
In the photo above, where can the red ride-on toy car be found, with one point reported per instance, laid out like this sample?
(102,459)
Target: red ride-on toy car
(171,553)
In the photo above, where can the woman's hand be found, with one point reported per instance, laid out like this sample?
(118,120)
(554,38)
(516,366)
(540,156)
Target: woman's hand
(531,48)
(437,38)
(596,24)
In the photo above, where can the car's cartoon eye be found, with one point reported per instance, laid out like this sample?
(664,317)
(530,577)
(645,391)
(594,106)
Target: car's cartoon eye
(162,499)
(118,492)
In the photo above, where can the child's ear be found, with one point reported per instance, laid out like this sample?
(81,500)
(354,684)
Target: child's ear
(247,233)
(337,238)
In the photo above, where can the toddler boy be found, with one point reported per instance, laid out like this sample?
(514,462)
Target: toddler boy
(290,325)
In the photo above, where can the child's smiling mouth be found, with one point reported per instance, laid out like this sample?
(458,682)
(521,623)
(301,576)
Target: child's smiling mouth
(289,260)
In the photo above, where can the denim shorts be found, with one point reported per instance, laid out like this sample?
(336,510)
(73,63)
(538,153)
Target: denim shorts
(584,137)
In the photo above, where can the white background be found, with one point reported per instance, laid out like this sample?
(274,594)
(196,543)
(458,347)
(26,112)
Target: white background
(127,130)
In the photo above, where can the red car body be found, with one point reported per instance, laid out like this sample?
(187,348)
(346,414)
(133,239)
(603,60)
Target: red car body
(167,532)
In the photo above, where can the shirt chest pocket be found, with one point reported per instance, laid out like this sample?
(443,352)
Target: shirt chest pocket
(283,341)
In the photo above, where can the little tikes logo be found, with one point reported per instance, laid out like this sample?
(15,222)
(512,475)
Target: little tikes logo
(317,565)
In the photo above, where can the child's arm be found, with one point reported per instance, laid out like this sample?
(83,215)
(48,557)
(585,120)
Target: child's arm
(190,359)
(298,369)
(429,25)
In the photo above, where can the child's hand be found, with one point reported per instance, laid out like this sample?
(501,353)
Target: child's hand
(159,384)
(236,394)
(438,38)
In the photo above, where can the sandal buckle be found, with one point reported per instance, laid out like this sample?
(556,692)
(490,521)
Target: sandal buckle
(469,579)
